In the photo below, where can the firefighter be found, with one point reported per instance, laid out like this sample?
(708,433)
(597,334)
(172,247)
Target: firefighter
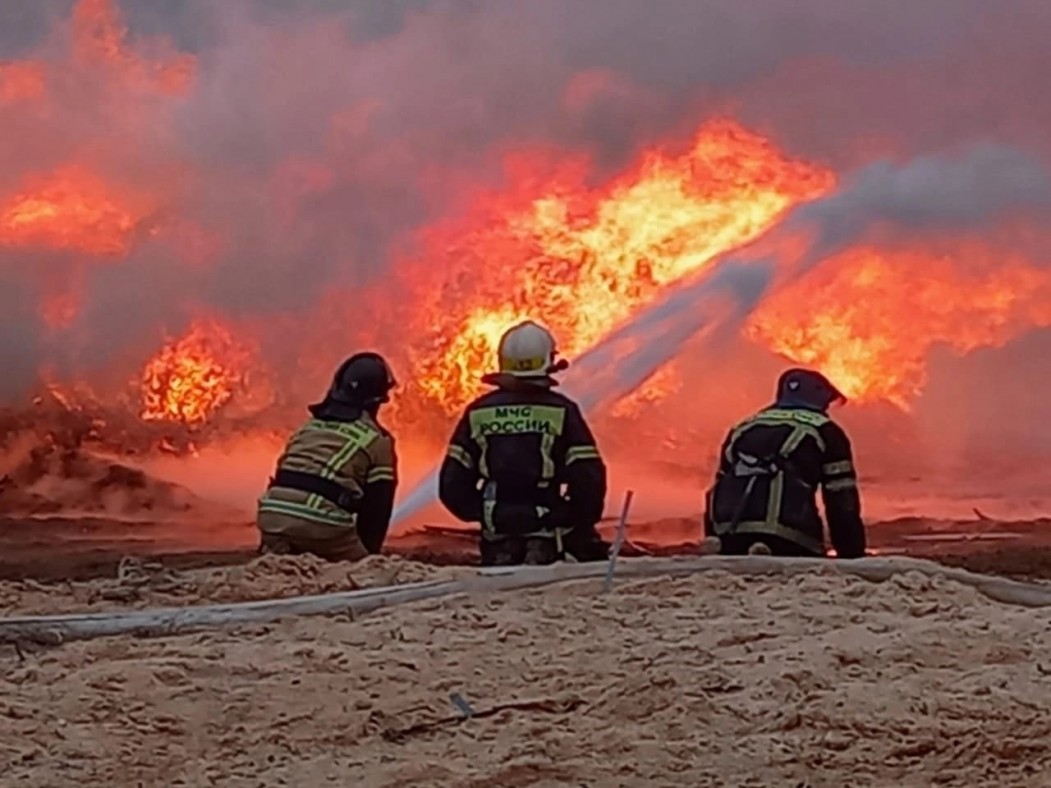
(764,499)
(523,463)
(333,491)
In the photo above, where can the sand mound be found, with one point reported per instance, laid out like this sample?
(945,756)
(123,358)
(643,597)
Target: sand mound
(146,584)
(47,479)
(817,680)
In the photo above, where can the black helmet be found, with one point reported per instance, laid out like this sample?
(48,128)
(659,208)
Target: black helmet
(362,382)
(805,388)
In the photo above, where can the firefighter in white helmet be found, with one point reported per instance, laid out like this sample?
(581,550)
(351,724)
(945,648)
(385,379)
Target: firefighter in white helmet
(523,463)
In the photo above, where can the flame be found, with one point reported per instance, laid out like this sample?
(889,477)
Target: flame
(473,347)
(191,378)
(582,259)
(72,208)
(869,318)
(556,244)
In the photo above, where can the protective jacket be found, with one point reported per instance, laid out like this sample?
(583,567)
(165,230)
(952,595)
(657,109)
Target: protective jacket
(770,468)
(335,472)
(522,461)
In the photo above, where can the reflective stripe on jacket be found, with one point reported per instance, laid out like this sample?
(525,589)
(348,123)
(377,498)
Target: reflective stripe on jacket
(352,454)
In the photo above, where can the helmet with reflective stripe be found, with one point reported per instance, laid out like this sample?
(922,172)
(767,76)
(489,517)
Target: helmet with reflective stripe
(805,388)
(528,350)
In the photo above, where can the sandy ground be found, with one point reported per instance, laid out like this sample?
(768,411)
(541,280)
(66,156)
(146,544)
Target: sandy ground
(69,548)
(816,680)
(141,583)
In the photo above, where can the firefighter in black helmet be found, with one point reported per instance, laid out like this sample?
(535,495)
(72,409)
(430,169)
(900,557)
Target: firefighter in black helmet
(333,491)
(523,463)
(764,499)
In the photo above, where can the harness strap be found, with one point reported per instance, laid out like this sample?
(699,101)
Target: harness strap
(311,483)
(774,467)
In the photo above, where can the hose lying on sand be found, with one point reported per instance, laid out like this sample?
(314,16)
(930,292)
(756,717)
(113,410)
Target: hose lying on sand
(58,629)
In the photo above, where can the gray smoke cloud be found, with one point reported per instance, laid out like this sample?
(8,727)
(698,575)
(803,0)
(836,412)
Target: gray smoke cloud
(320,136)
(970,189)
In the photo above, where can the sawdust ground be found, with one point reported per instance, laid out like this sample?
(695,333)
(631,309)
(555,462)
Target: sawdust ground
(140,583)
(817,680)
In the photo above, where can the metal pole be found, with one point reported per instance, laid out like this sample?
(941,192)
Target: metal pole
(618,541)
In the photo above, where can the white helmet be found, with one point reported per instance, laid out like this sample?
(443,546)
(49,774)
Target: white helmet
(527,350)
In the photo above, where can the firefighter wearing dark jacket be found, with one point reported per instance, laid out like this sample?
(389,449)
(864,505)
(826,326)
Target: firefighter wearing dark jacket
(523,463)
(333,491)
(764,499)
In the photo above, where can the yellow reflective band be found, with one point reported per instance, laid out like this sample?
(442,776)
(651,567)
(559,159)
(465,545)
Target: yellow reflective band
(358,440)
(461,455)
(352,430)
(547,443)
(837,468)
(841,484)
(306,512)
(581,453)
(793,440)
(517,420)
(488,527)
(483,456)
(381,473)
(777,486)
(775,418)
(358,437)
(589,449)
(523,364)
(797,415)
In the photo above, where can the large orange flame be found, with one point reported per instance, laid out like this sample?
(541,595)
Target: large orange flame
(868,318)
(69,204)
(583,259)
(557,244)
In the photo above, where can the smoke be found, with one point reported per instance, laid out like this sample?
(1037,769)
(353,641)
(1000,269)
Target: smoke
(18,341)
(316,139)
(968,190)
